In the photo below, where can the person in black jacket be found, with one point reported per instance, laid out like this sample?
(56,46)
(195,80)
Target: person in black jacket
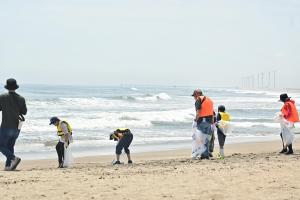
(13,108)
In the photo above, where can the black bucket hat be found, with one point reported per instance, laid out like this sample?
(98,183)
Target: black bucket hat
(11,84)
(284,97)
(53,120)
(221,108)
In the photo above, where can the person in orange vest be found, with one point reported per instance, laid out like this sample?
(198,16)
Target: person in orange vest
(204,118)
(289,113)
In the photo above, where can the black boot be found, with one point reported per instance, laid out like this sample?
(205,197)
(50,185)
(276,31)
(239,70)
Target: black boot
(204,156)
(290,151)
(284,150)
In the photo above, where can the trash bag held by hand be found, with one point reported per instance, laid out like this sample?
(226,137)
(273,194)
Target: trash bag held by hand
(194,124)
(286,129)
(21,121)
(287,135)
(68,158)
(278,117)
(225,126)
(198,143)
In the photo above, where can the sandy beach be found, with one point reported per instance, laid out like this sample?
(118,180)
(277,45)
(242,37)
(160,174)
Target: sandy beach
(250,171)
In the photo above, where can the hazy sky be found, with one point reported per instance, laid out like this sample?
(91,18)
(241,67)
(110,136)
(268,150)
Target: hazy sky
(176,42)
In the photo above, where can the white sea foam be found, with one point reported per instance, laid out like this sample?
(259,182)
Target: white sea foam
(157,115)
(131,119)
(255,124)
(255,92)
(156,97)
(103,120)
(247,99)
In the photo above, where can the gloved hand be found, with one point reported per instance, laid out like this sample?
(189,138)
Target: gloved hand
(194,136)
(213,127)
(66,145)
(194,124)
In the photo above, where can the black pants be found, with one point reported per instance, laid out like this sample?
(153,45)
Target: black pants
(124,143)
(289,146)
(221,137)
(60,149)
(212,142)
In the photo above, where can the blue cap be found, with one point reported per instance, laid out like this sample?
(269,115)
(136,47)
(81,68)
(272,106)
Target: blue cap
(53,120)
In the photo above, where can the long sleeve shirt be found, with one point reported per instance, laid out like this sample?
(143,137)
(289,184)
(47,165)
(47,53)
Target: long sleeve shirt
(66,137)
(12,105)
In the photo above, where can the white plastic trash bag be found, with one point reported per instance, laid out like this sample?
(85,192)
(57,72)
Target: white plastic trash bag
(68,158)
(198,143)
(287,135)
(286,129)
(225,126)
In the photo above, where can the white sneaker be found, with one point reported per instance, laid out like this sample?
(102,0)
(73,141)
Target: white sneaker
(14,163)
(117,162)
(7,169)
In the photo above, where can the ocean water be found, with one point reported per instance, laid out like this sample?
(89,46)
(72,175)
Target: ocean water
(160,117)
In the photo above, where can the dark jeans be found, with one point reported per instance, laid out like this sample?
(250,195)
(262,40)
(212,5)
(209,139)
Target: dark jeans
(124,143)
(205,128)
(221,137)
(8,137)
(60,149)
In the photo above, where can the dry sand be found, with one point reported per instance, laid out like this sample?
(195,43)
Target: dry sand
(250,171)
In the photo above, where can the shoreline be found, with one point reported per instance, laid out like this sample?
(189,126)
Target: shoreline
(138,148)
(231,148)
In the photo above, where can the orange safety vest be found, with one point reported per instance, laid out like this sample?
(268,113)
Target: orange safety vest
(290,112)
(207,107)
